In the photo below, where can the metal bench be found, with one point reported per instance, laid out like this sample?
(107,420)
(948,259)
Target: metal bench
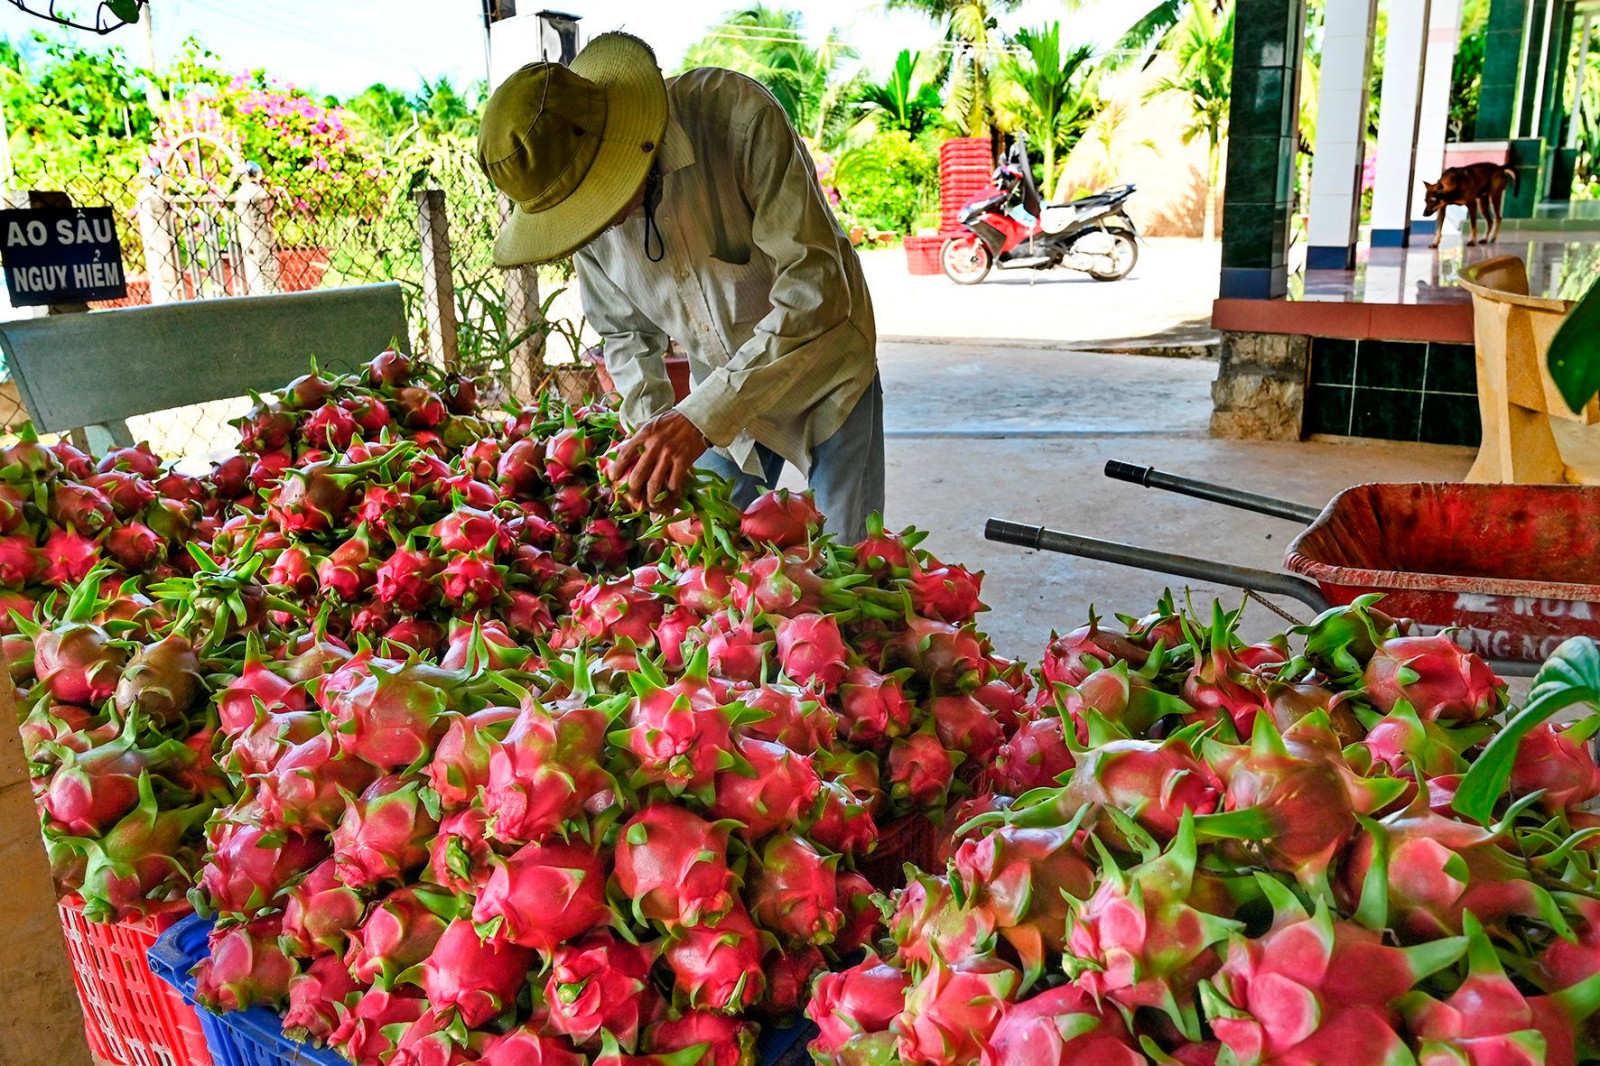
(92,371)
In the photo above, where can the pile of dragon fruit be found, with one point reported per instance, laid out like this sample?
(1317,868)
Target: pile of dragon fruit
(1315,853)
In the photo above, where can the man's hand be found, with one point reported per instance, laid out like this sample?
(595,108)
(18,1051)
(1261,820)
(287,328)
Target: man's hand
(653,464)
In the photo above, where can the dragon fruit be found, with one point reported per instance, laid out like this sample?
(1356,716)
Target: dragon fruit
(951,658)
(716,1039)
(842,822)
(872,707)
(1316,989)
(1022,879)
(544,771)
(786,584)
(566,454)
(1036,756)
(161,680)
(319,911)
(81,507)
(794,891)
(459,857)
(1153,782)
(318,998)
(921,770)
(1060,1027)
(69,558)
(1070,659)
(366,1034)
(680,733)
(1436,676)
(256,688)
(931,920)
(307,788)
(407,580)
(77,661)
(965,725)
(399,932)
(259,748)
(948,593)
(544,894)
(1401,739)
(781,518)
(600,984)
(1149,935)
(1557,760)
(527,1046)
(20,561)
(776,791)
(702,588)
(717,965)
(384,834)
(950,1013)
(671,633)
(393,718)
(91,791)
(460,763)
(793,719)
(471,581)
(789,975)
(853,1005)
(477,976)
(248,865)
(246,967)
(135,546)
(140,865)
(618,610)
(673,865)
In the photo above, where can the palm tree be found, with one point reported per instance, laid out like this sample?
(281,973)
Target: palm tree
(1204,79)
(769,45)
(973,39)
(1057,100)
(900,103)
(1151,29)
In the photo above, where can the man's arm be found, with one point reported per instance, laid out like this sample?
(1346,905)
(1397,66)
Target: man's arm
(634,345)
(810,296)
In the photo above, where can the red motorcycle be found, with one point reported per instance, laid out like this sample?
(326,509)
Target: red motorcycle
(1009,228)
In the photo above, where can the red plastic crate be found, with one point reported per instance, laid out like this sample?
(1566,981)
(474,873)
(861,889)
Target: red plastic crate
(131,1017)
(922,254)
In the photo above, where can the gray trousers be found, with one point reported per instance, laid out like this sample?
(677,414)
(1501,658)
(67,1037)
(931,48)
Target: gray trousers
(846,470)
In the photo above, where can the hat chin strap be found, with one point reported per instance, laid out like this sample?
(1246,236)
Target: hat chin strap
(652,194)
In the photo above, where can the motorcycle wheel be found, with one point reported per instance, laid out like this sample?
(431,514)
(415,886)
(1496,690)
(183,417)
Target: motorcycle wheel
(965,260)
(1123,256)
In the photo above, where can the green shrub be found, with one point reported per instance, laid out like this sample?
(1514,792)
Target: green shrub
(888,181)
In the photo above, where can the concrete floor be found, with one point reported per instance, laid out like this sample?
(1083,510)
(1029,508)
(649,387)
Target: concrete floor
(976,431)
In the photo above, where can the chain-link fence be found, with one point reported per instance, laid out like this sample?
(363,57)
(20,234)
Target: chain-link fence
(201,228)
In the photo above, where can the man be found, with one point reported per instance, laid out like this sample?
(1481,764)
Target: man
(693,212)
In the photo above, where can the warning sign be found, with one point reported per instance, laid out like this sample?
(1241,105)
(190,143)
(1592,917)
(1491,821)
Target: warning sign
(56,255)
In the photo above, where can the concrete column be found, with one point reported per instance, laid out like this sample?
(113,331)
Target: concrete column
(1502,63)
(1404,57)
(1263,131)
(1341,135)
(1433,127)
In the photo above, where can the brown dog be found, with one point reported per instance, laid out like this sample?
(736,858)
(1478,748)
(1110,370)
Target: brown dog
(1475,185)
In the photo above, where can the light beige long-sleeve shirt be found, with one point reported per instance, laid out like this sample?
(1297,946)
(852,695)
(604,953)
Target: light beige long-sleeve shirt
(758,283)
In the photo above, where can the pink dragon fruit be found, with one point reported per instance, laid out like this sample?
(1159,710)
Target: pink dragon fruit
(259,748)
(789,975)
(842,822)
(812,651)
(468,529)
(931,920)
(776,792)
(81,507)
(618,610)
(717,1039)
(90,792)
(393,719)
(735,650)
(318,999)
(965,725)
(702,588)
(1070,659)
(948,593)
(19,561)
(600,984)
(257,688)
(566,453)
(385,833)
(307,788)
(245,968)
(69,556)
(1436,676)
(671,633)
(459,857)
(883,554)
(128,492)
(786,584)
(407,580)
(544,771)
(950,1013)
(951,658)
(1149,935)
(1316,989)
(527,1046)
(1153,782)
(461,761)
(248,865)
(872,707)
(1060,1027)
(135,546)
(1559,761)
(520,468)
(140,866)
(794,720)
(472,580)
(853,1006)
(673,865)
(477,976)
(1035,757)
(319,911)
(544,894)
(781,518)
(717,965)
(680,733)
(1023,878)
(399,932)
(162,680)
(77,661)
(329,426)
(1400,739)
(366,1034)
(921,770)
(794,892)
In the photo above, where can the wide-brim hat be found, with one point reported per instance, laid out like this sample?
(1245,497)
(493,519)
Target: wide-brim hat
(571,146)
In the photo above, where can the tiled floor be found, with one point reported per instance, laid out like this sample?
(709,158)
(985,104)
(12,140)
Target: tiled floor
(1557,266)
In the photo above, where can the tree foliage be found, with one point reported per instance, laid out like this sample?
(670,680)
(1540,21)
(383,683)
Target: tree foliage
(1055,99)
(902,102)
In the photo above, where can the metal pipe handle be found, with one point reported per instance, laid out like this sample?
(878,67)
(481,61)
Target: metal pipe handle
(1110,551)
(1151,478)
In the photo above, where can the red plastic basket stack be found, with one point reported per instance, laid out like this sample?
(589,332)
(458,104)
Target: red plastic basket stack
(131,1017)
(965,168)
(922,254)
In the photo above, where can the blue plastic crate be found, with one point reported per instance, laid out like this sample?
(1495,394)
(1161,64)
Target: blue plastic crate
(255,1037)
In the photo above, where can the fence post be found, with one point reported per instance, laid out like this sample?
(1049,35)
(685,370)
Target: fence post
(160,246)
(438,288)
(523,311)
(258,245)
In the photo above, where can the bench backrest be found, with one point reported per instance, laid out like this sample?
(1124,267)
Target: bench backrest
(100,367)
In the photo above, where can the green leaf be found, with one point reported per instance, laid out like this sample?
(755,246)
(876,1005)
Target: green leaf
(1574,358)
(1569,677)
(126,10)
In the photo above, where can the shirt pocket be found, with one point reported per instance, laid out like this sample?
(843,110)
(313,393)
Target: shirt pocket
(739,295)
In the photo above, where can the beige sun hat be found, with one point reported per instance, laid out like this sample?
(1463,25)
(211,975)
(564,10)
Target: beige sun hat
(571,146)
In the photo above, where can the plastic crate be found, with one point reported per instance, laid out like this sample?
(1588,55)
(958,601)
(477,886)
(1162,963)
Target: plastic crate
(255,1037)
(129,1016)
(922,254)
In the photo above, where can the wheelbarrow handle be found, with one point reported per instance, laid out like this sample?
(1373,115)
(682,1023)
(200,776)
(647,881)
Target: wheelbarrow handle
(1110,551)
(1151,478)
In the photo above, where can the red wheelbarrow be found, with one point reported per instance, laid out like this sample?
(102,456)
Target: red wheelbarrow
(1514,568)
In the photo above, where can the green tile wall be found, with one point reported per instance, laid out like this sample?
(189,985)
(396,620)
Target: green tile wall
(1394,390)
(1502,62)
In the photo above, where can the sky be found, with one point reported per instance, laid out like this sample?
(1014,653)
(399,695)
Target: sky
(342,46)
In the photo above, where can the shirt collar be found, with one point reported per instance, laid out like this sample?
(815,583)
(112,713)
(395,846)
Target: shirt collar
(676,151)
